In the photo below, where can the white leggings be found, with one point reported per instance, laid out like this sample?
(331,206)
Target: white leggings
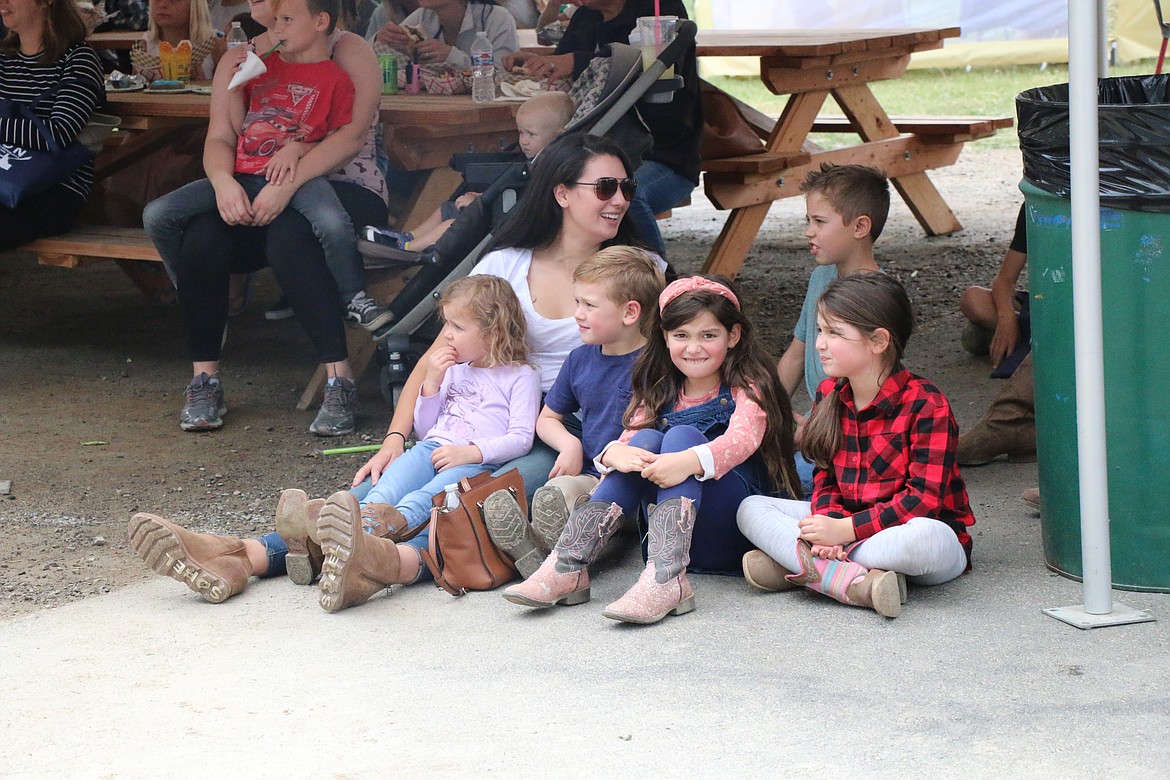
(925,550)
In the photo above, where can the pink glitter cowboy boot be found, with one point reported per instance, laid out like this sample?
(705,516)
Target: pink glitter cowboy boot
(563,578)
(663,588)
(848,582)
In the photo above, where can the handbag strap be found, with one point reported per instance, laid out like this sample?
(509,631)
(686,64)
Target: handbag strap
(431,557)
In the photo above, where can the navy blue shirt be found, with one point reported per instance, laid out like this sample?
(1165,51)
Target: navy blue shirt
(599,386)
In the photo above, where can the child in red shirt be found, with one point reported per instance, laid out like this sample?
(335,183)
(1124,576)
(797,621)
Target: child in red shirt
(888,499)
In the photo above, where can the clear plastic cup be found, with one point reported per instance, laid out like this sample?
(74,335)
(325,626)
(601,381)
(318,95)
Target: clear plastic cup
(655,34)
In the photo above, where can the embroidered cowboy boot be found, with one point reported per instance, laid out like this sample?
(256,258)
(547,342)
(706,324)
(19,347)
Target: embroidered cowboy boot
(563,578)
(848,582)
(386,522)
(215,567)
(296,519)
(663,588)
(510,532)
(356,565)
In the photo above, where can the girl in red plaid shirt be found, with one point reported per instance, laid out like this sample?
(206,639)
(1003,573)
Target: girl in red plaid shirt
(888,501)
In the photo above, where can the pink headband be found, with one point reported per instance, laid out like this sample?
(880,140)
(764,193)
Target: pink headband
(691,283)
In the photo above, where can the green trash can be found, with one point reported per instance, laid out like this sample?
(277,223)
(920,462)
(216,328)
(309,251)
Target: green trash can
(1135,281)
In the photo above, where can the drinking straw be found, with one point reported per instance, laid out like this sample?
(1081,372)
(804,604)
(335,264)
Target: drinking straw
(348,450)
(264,56)
(657,21)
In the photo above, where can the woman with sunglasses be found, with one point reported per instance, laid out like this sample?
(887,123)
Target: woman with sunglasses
(575,204)
(670,170)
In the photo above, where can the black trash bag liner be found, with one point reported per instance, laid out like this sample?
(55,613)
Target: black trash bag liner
(1134,137)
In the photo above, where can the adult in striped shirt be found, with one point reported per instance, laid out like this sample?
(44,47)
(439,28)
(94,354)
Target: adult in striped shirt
(43,53)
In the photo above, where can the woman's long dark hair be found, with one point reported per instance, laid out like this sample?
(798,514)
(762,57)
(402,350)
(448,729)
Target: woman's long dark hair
(747,366)
(867,301)
(63,30)
(537,218)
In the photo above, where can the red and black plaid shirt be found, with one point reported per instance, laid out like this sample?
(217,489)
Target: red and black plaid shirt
(896,460)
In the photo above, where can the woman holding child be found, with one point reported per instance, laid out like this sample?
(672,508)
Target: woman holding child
(239,217)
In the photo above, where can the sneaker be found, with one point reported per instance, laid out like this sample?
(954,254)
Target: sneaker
(336,415)
(1031,497)
(204,408)
(362,310)
(387,237)
(976,339)
(279,310)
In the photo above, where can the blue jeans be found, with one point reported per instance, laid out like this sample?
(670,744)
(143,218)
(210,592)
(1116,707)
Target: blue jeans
(410,482)
(538,462)
(659,189)
(165,218)
(804,470)
(717,546)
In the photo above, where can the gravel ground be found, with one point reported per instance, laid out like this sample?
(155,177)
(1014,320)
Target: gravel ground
(93,378)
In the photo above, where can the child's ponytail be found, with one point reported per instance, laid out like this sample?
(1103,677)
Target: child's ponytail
(867,301)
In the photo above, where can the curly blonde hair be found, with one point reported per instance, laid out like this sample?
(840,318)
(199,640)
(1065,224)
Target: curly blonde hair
(491,303)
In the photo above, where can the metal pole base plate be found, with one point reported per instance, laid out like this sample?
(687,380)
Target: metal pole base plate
(1121,615)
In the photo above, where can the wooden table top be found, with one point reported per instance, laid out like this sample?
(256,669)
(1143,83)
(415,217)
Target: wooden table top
(814,43)
(115,39)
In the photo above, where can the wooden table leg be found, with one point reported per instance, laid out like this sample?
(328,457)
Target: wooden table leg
(434,188)
(743,224)
(916,189)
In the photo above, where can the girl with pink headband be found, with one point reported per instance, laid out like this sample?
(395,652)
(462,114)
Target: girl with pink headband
(707,426)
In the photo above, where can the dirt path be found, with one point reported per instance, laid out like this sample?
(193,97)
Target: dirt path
(86,361)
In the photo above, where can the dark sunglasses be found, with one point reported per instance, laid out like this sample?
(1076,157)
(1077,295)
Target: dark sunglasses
(607,186)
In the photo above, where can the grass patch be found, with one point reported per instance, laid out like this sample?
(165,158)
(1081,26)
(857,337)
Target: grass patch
(935,91)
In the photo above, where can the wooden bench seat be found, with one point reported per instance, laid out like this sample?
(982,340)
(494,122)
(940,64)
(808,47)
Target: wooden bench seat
(71,249)
(939,129)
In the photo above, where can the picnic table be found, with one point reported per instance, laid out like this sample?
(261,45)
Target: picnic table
(809,67)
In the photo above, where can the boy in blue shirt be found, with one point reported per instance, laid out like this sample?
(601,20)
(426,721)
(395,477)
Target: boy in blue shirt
(846,208)
(617,292)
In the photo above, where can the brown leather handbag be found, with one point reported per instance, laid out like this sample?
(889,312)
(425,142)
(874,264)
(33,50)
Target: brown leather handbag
(461,555)
(725,132)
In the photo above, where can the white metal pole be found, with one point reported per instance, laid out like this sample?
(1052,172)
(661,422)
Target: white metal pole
(1084,50)
(1102,38)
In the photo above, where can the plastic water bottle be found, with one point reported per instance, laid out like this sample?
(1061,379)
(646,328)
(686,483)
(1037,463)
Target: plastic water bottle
(483,78)
(236,36)
(452,499)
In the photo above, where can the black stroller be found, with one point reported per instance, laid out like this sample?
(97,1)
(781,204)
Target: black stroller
(501,177)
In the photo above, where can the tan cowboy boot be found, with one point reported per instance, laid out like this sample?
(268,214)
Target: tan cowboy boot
(848,582)
(763,573)
(511,532)
(386,522)
(663,588)
(296,515)
(356,564)
(1009,426)
(563,578)
(215,567)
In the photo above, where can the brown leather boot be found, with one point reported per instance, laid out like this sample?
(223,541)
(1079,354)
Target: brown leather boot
(356,564)
(663,588)
(386,522)
(295,515)
(1009,426)
(215,567)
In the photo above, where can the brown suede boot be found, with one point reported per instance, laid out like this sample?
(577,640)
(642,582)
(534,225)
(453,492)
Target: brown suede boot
(386,522)
(663,588)
(296,514)
(763,573)
(215,567)
(356,564)
(877,590)
(1009,426)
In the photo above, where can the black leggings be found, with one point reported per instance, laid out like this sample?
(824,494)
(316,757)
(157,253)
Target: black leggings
(47,213)
(213,250)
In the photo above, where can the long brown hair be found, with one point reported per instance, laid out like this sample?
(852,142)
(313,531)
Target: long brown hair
(63,30)
(747,366)
(491,303)
(868,301)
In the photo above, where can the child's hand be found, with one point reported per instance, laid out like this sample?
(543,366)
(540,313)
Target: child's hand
(450,455)
(441,359)
(234,57)
(233,204)
(269,202)
(827,531)
(834,552)
(627,459)
(465,200)
(282,166)
(568,462)
(671,468)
